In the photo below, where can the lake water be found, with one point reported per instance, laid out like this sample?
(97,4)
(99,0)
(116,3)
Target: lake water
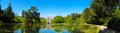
(44,31)
(32,28)
(41,28)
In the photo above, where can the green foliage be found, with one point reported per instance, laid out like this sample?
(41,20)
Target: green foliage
(117,13)
(31,15)
(114,23)
(88,15)
(19,19)
(43,20)
(58,29)
(82,28)
(7,14)
(111,3)
(90,29)
(97,6)
(58,19)
(72,18)
(0,22)
(100,12)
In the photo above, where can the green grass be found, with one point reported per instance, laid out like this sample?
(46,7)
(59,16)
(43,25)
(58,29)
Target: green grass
(89,29)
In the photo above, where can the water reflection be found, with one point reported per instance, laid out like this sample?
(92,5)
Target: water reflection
(42,28)
(7,28)
(18,31)
(52,31)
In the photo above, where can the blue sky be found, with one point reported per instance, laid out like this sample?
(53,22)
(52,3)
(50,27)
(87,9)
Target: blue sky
(48,7)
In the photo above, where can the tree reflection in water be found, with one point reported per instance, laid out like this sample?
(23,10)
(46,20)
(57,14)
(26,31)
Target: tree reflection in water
(31,28)
(40,28)
(7,28)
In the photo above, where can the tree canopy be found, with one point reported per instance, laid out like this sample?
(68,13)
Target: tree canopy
(58,19)
(7,14)
(31,15)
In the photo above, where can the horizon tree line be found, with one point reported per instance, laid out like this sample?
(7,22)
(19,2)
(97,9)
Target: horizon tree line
(30,15)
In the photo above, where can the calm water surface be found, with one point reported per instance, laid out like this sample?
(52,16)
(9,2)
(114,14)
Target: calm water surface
(35,28)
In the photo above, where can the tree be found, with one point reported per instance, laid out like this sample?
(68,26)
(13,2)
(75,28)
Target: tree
(31,17)
(89,16)
(0,11)
(72,17)
(58,19)
(0,8)
(31,14)
(111,3)
(19,19)
(9,9)
(7,15)
(24,13)
(43,20)
(34,14)
(75,15)
(114,21)
(103,9)
(0,15)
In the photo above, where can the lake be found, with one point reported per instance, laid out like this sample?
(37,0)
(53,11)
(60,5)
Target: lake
(45,28)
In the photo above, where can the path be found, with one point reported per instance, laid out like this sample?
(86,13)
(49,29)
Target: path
(100,26)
